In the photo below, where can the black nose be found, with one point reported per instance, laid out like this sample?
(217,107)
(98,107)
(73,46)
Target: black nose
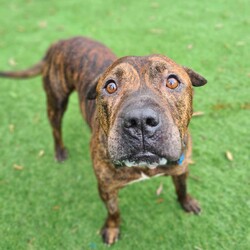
(141,122)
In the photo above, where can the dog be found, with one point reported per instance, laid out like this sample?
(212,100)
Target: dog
(138,109)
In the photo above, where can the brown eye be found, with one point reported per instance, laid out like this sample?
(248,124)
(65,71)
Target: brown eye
(111,87)
(172,82)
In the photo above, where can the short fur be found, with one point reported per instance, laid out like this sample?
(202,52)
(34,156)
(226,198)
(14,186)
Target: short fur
(86,66)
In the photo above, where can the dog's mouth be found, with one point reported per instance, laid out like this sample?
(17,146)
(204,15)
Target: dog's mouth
(143,159)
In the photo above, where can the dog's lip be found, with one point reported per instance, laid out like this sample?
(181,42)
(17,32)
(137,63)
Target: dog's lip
(144,159)
(145,154)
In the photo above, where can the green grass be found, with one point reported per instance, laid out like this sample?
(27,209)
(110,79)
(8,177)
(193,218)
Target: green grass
(56,206)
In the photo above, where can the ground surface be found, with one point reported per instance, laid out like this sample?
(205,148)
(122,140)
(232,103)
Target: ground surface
(45,205)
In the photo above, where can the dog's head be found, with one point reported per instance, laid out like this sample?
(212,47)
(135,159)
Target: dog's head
(144,106)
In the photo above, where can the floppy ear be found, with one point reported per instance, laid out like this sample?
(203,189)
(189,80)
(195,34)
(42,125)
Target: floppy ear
(91,92)
(196,79)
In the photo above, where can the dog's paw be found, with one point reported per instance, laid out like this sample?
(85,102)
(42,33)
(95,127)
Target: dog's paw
(190,205)
(61,154)
(110,235)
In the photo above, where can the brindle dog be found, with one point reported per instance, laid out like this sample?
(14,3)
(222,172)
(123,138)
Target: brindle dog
(138,109)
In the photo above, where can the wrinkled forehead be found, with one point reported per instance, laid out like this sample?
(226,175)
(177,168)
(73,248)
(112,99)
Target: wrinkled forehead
(132,66)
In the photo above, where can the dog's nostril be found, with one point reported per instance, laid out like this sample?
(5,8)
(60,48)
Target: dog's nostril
(151,122)
(141,119)
(131,123)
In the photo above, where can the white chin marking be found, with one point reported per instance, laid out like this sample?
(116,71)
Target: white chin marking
(152,165)
(163,161)
(129,163)
(143,177)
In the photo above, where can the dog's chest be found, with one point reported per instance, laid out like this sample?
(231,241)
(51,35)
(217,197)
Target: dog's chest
(144,177)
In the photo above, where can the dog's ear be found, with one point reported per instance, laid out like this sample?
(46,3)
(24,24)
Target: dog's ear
(91,93)
(196,79)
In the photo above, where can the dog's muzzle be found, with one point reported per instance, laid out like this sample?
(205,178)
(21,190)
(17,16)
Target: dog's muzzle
(144,135)
(140,127)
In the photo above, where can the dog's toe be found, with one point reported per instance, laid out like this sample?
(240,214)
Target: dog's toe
(190,205)
(61,154)
(110,235)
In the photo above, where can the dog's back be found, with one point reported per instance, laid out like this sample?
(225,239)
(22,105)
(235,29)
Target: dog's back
(71,64)
(76,63)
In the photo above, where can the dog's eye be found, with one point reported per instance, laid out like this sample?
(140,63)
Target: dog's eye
(172,82)
(111,87)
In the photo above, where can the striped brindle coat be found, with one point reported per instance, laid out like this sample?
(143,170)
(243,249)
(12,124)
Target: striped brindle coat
(138,109)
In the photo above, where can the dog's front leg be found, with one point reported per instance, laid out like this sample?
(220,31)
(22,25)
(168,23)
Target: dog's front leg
(188,203)
(110,180)
(110,231)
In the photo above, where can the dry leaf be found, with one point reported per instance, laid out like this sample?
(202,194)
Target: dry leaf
(197,248)
(31,242)
(160,200)
(36,118)
(219,26)
(229,156)
(154,51)
(17,167)
(194,177)
(190,46)
(11,128)
(60,28)
(159,189)
(191,162)
(157,31)
(41,153)
(42,24)
(245,106)
(12,62)
(221,106)
(221,70)
(20,29)
(155,5)
(198,113)
(240,43)
(57,207)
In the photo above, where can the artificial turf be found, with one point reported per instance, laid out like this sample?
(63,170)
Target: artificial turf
(46,205)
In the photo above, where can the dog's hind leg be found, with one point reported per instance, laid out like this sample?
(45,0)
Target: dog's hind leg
(57,100)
